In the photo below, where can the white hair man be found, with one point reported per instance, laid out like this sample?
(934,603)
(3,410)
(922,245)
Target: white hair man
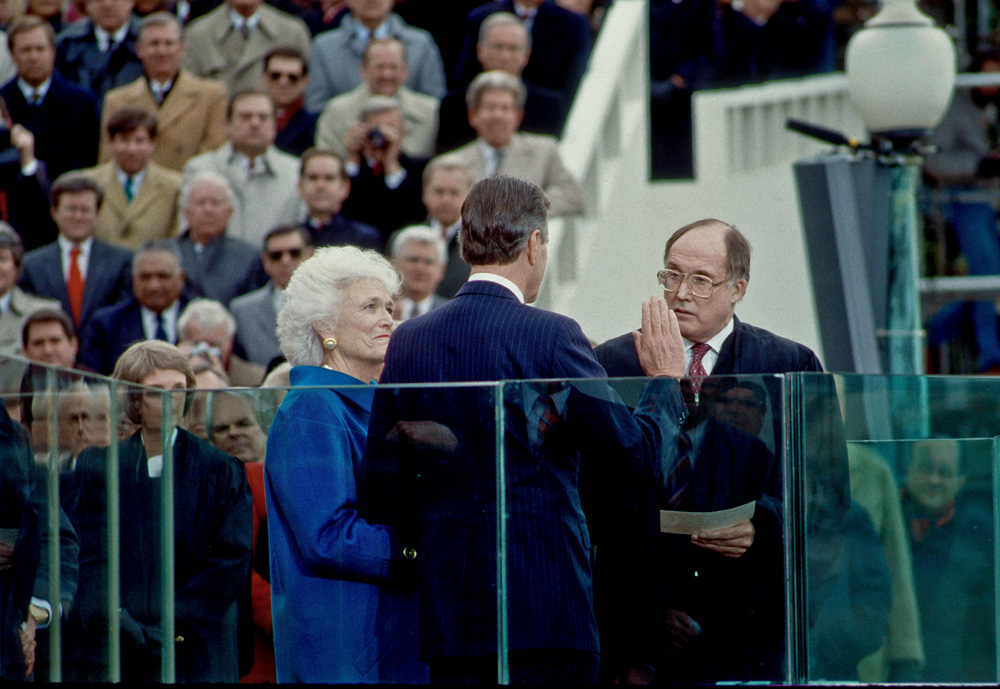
(207,330)
(419,254)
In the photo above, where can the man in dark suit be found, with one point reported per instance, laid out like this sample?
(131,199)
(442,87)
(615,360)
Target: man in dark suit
(63,117)
(151,313)
(83,273)
(286,73)
(722,617)
(217,267)
(486,333)
(98,53)
(323,187)
(385,182)
(560,44)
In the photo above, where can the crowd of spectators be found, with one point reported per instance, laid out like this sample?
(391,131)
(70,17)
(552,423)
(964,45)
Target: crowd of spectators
(164,169)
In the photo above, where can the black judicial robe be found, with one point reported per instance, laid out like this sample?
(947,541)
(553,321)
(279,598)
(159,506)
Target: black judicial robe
(212,533)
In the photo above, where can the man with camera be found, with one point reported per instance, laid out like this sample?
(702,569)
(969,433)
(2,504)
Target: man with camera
(385,182)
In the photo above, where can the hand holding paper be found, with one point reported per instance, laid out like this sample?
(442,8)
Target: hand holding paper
(731,541)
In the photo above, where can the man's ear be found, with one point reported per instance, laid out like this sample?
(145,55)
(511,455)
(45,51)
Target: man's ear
(534,246)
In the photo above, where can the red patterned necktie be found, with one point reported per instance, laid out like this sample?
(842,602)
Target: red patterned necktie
(696,372)
(74,286)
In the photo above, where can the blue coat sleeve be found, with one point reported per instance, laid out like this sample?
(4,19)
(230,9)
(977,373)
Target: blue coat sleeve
(312,454)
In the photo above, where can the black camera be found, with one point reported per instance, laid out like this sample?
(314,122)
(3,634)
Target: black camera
(376,139)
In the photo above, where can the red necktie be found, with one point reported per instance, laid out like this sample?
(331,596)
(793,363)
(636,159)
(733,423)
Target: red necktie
(696,372)
(74,286)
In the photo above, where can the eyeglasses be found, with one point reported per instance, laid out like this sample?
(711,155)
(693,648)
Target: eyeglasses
(278,253)
(276,76)
(700,285)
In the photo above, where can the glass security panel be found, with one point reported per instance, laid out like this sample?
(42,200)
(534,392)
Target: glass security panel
(646,516)
(901,581)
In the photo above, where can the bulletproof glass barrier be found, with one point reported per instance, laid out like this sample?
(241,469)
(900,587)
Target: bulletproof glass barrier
(893,541)
(818,528)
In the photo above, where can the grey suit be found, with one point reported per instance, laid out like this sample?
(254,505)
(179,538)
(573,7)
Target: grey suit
(420,120)
(262,201)
(256,324)
(335,65)
(533,158)
(217,51)
(225,269)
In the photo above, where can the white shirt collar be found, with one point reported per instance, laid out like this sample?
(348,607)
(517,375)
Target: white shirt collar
(65,246)
(361,31)
(499,280)
(238,20)
(169,322)
(5,302)
(27,89)
(154,464)
(106,40)
(715,344)
(138,177)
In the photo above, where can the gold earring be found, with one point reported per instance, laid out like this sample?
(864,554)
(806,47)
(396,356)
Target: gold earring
(330,343)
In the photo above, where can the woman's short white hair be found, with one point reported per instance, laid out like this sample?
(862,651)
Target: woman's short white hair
(313,296)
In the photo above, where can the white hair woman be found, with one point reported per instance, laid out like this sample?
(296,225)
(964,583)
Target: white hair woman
(334,620)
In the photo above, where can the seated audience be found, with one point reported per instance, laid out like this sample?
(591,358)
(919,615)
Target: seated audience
(505,45)
(286,73)
(256,313)
(82,272)
(212,530)
(385,182)
(336,58)
(140,197)
(951,539)
(61,116)
(150,313)
(323,188)
(384,70)
(230,42)
(335,577)
(15,304)
(445,186)
(560,44)
(419,254)
(496,107)
(98,53)
(207,330)
(190,111)
(216,266)
(261,177)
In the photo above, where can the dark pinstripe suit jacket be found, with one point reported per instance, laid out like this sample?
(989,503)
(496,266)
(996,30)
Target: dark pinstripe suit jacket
(486,334)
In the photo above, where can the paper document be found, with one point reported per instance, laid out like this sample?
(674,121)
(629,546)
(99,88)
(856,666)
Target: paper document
(695,522)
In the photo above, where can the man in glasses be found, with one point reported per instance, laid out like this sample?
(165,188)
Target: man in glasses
(256,313)
(286,74)
(723,614)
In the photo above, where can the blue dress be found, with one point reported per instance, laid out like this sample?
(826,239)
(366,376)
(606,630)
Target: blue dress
(335,621)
